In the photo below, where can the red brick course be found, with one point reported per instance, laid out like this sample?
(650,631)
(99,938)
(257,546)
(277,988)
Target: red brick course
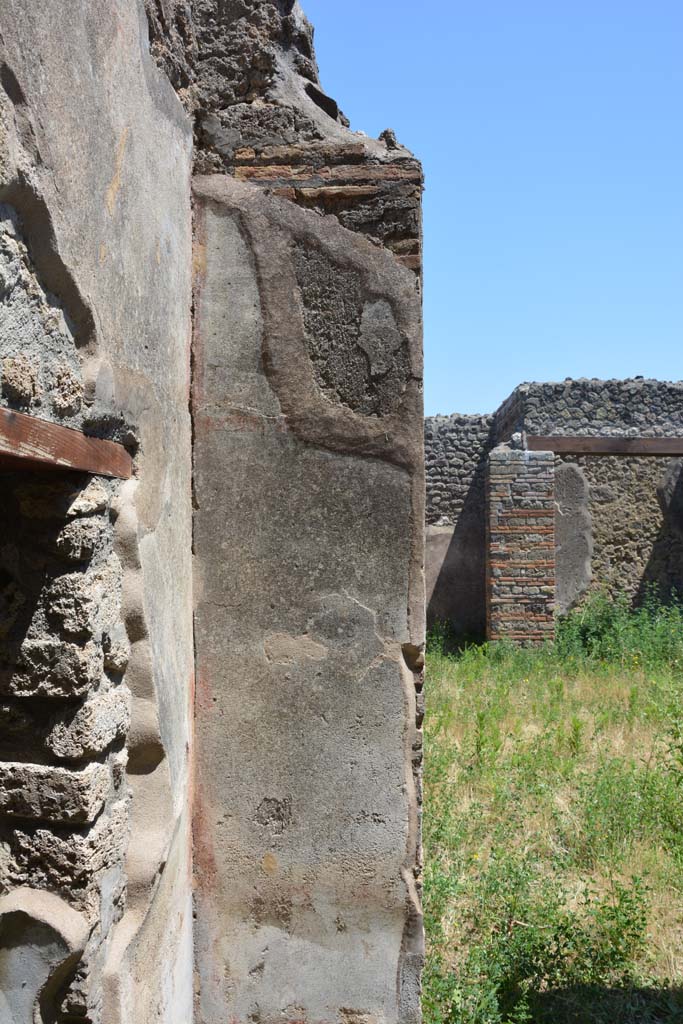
(521,546)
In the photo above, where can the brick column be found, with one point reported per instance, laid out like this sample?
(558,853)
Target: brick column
(520,545)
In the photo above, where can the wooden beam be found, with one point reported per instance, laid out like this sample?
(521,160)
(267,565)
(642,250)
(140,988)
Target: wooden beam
(590,444)
(27,442)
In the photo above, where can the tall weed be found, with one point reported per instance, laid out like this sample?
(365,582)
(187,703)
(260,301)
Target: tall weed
(554,823)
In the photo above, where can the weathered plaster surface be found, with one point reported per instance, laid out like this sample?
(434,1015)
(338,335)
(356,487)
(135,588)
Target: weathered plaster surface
(95,151)
(573,536)
(310,504)
(634,506)
(309,622)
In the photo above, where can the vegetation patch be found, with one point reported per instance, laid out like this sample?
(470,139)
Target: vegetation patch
(553,824)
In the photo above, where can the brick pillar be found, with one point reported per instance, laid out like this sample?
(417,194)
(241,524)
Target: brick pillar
(520,545)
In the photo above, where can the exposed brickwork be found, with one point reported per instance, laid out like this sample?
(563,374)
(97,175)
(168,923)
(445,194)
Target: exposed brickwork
(263,117)
(381,200)
(521,545)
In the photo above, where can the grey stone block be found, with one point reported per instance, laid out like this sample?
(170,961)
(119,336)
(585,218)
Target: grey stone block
(47,793)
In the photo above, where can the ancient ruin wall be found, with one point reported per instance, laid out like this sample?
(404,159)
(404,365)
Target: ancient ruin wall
(64,715)
(632,503)
(309,489)
(634,507)
(617,517)
(456,452)
(456,449)
(309,622)
(307,417)
(264,117)
(616,408)
(95,250)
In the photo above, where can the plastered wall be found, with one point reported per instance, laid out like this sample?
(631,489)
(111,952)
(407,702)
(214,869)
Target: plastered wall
(96,253)
(210,674)
(310,616)
(309,493)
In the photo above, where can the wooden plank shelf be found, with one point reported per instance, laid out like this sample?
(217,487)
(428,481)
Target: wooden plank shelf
(590,444)
(28,442)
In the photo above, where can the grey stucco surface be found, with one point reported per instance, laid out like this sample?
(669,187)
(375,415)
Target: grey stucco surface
(573,536)
(105,218)
(309,619)
(40,941)
(309,492)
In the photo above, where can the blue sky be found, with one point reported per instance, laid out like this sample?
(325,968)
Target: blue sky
(551,133)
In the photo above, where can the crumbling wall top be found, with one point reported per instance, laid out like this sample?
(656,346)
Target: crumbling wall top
(615,408)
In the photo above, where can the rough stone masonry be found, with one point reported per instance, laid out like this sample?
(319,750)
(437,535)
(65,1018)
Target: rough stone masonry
(616,522)
(211,673)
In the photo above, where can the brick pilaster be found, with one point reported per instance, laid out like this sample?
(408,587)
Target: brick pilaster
(520,545)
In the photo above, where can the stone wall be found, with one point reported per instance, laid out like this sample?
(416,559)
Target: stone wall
(614,408)
(299,396)
(307,399)
(64,712)
(617,517)
(636,514)
(453,444)
(520,495)
(456,452)
(631,502)
(264,118)
(309,488)
(96,639)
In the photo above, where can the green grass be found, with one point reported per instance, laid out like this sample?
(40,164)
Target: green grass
(553,824)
